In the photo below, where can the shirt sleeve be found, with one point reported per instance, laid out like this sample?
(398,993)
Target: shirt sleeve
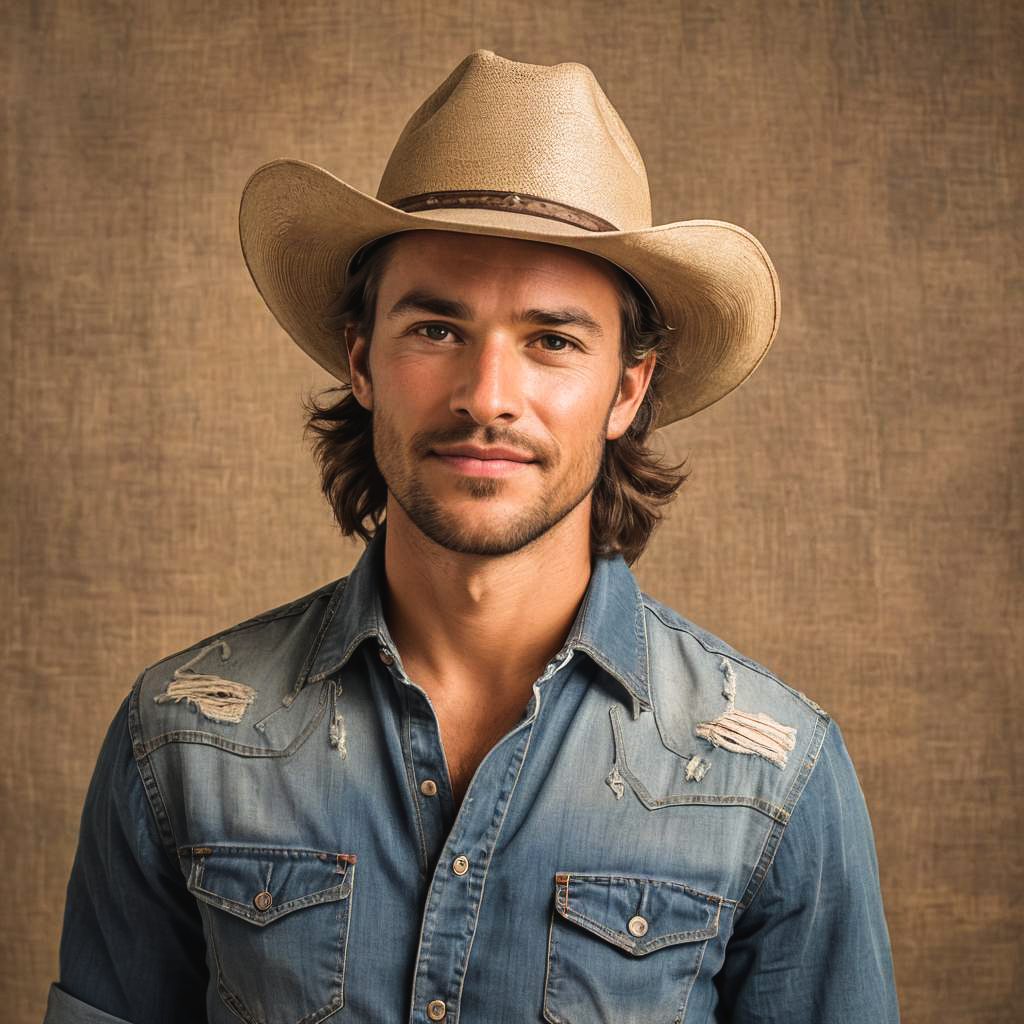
(812,947)
(132,947)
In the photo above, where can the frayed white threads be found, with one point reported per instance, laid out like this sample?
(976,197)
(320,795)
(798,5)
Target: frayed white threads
(220,700)
(729,686)
(747,732)
(615,783)
(339,733)
(696,768)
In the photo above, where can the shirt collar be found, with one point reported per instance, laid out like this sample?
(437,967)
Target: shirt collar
(354,614)
(609,626)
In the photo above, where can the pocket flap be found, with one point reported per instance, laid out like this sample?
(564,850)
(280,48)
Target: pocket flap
(638,915)
(261,885)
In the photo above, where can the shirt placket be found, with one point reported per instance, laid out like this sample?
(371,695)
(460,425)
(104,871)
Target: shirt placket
(428,774)
(455,897)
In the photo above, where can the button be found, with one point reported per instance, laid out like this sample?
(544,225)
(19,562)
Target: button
(428,787)
(262,900)
(436,1009)
(637,926)
(386,657)
(460,865)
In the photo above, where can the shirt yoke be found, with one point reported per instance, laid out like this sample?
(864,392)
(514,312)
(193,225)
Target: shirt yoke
(238,688)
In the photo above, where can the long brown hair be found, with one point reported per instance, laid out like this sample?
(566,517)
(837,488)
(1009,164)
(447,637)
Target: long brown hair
(633,483)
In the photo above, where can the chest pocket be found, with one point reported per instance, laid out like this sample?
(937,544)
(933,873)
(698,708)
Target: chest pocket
(277,924)
(625,949)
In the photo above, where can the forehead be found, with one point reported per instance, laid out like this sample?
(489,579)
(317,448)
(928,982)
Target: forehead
(451,261)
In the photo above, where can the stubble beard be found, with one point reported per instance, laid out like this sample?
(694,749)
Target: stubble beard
(512,532)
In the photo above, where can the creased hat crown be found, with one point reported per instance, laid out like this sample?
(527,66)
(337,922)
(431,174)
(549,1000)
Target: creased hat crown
(524,129)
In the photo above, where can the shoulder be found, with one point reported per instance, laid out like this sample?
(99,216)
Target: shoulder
(671,633)
(243,672)
(763,736)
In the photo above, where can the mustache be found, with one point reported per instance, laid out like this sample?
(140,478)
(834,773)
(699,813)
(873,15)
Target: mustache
(423,442)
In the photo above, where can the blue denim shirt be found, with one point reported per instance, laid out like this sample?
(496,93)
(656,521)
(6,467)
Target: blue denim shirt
(669,834)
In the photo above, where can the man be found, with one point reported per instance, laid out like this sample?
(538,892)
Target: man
(484,778)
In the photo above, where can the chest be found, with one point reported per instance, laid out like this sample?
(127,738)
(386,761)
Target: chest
(546,860)
(469,730)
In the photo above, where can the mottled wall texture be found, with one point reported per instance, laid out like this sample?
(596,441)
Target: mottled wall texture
(852,521)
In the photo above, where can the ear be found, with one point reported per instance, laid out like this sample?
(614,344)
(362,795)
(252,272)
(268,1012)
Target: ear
(359,366)
(632,388)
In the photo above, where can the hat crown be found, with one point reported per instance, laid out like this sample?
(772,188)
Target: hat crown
(495,125)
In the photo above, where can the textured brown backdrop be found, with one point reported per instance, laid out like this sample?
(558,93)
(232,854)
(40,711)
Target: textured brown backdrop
(853,520)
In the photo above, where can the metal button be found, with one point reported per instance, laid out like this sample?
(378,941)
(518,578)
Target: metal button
(460,865)
(386,657)
(262,900)
(428,787)
(436,1009)
(637,926)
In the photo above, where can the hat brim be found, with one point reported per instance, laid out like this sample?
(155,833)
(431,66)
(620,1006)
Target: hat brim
(713,282)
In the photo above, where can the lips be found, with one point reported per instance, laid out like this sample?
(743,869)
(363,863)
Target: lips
(484,454)
(482,460)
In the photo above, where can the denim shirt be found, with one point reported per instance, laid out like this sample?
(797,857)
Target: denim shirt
(669,834)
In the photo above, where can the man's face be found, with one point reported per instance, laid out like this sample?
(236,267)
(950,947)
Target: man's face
(494,379)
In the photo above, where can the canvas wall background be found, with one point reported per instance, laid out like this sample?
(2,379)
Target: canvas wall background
(853,520)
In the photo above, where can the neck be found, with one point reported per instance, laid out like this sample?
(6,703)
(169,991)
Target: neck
(465,622)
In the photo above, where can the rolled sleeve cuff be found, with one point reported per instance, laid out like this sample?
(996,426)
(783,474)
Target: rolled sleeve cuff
(62,1008)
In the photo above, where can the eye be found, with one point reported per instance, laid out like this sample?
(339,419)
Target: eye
(441,332)
(556,343)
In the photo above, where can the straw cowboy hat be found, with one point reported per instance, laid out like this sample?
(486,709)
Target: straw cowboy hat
(520,151)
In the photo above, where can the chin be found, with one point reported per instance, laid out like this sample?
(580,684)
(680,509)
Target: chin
(497,531)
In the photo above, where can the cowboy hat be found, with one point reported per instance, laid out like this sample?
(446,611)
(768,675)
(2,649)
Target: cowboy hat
(521,151)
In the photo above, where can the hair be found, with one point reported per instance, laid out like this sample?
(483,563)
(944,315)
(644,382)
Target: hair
(633,483)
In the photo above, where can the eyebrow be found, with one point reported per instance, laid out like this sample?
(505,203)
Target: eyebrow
(420,301)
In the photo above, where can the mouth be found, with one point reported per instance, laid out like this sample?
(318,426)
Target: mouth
(482,461)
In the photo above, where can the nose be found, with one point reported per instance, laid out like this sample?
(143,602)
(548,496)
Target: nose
(488,386)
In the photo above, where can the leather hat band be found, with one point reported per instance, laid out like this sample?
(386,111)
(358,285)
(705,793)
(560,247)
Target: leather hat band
(509,202)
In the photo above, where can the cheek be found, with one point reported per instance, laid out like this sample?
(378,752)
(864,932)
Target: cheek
(410,381)
(577,403)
